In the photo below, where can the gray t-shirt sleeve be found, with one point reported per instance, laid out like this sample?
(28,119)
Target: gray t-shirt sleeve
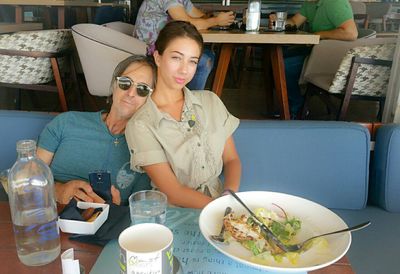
(51,136)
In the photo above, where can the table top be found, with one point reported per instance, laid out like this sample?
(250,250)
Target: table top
(88,254)
(71,3)
(242,37)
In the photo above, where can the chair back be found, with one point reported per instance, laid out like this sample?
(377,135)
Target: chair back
(123,27)
(100,49)
(326,57)
(360,13)
(378,10)
(358,7)
(391,17)
(17,69)
(370,79)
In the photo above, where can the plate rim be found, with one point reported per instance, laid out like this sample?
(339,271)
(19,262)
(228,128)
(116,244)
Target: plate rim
(269,267)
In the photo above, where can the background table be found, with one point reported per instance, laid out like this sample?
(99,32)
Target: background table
(273,42)
(60,4)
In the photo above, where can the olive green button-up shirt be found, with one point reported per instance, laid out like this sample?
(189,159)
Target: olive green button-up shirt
(192,146)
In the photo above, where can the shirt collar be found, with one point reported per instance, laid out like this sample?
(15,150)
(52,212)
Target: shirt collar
(190,101)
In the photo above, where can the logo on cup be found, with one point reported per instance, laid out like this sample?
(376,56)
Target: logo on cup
(146,249)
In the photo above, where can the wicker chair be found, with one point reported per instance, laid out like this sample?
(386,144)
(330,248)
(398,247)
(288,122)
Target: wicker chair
(363,73)
(32,60)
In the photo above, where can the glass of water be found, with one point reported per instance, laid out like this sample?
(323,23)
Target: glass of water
(280,20)
(148,206)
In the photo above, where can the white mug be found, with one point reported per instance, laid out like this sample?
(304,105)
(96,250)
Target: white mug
(146,248)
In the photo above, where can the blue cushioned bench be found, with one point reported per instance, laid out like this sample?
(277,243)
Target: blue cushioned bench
(327,162)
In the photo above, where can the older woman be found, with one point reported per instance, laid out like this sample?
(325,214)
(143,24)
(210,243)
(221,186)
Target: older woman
(75,144)
(183,139)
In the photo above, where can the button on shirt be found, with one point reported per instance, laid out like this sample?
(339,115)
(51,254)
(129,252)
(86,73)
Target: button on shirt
(192,146)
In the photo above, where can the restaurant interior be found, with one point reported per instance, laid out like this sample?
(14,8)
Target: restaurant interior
(248,75)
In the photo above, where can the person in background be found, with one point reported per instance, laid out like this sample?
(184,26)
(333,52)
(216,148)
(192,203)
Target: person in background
(183,139)
(331,19)
(75,144)
(154,14)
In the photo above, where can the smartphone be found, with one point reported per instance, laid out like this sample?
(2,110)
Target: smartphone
(100,181)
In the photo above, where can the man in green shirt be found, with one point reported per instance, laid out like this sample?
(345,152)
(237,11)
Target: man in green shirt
(331,19)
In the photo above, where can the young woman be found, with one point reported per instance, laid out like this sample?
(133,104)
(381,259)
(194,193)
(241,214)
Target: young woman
(183,139)
(75,144)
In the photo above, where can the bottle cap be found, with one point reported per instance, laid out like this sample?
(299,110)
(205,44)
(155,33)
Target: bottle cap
(26,145)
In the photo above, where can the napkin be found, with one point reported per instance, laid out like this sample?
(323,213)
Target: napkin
(118,219)
(69,265)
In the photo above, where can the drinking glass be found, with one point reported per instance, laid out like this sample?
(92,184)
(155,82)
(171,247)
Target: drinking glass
(280,20)
(148,206)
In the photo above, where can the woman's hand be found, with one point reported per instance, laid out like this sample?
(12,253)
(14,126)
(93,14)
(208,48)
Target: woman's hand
(116,197)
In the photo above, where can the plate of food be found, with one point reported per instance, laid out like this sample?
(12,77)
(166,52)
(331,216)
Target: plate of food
(292,219)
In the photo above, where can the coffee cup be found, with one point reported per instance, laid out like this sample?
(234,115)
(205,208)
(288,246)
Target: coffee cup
(146,248)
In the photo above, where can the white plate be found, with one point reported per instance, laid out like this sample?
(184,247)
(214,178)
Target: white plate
(315,219)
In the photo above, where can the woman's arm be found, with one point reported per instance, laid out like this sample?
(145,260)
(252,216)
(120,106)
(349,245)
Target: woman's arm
(232,166)
(165,180)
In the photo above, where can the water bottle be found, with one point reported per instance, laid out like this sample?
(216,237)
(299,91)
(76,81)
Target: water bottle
(33,207)
(253,15)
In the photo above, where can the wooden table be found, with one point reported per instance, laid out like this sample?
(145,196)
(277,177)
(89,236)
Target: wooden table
(273,42)
(85,253)
(60,4)
(13,27)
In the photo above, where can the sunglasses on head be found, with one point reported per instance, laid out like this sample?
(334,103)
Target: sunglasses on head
(125,83)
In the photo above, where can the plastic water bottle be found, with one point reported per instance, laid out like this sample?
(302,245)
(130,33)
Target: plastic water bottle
(33,207)
(253,15)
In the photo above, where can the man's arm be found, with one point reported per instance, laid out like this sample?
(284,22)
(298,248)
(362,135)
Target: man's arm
(74,188)
(223,18)
(296,19)
(346,32)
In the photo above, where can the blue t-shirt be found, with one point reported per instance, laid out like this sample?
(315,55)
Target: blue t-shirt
(82,143)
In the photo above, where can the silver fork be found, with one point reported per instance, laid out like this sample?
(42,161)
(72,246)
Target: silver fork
(299,246)
(293,247)
(219,239)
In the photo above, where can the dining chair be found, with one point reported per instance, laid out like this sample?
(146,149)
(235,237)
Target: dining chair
(119,26)
(393,18)
(362,72)
(376,11)
(360,13)
(100,49)
(35,60)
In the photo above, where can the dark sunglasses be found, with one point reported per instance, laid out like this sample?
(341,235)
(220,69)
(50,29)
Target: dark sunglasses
(125,83)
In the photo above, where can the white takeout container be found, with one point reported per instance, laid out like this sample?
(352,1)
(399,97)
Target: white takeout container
(80,227)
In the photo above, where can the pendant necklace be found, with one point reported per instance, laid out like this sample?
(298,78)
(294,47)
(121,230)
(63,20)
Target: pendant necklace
(116,140)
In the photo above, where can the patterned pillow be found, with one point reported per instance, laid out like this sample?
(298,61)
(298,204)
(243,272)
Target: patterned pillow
(29,70)
(371,80)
